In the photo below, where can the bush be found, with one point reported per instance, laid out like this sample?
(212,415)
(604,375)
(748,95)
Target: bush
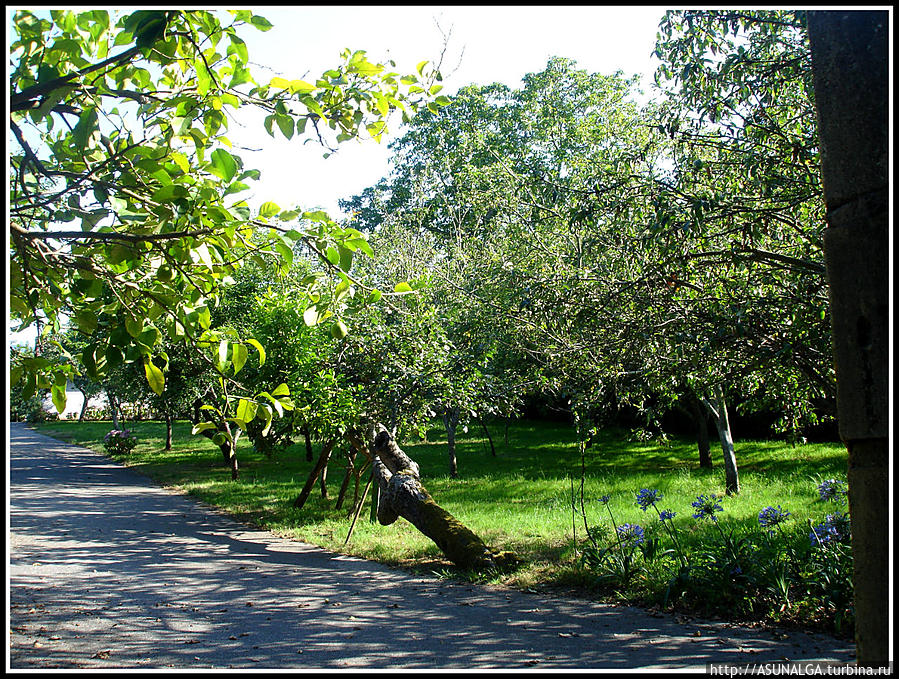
(40,415)
(774,572)
(120,441)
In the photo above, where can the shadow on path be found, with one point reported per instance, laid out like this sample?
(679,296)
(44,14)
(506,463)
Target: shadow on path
(108,570)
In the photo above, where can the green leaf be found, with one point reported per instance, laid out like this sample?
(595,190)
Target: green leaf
(346,258)
(246,410)
(301,87)
(285,124)
(259,348)
(281,390)
(181,161)
(224,165)
(87,321)
(154,376)
(402,287)
(285,251)
(239,357)
(265,413)
(58,394)
(269,209)
(86,125)
(169,194)
(134,326)
(311,316)
(261,23)
(201,426)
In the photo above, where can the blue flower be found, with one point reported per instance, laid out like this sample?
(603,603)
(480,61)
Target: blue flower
(604,499)
(631,534)
(706,506)
(646,498)
(834,528)
(770,517)
(832,490)
(667,515)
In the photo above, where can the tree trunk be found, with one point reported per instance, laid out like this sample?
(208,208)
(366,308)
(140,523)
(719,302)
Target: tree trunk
(451,421)
(718,409)
(168,429)
(375,499)
(350,467)
(113,408)
(487,433)
(323,458)
(323,481)
(228,452)
(851,74)
(84,405)
(308,441)
(702,434)
(402,495)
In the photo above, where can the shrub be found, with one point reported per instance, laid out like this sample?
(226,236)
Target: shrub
(120,441)
(772,571)
(40,415)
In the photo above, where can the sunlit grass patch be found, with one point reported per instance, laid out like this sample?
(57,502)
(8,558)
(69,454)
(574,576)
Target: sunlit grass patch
(528,497)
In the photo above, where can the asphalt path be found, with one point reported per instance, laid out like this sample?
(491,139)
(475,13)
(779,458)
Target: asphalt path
(108,570)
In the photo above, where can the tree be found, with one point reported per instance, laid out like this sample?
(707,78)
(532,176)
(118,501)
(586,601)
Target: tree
(120,127)
(849,51)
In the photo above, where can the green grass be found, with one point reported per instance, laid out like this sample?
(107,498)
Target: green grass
(519,500)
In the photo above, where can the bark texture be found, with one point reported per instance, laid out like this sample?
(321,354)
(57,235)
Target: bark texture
(401,494)
(717,408)
(851,74)
(702,433)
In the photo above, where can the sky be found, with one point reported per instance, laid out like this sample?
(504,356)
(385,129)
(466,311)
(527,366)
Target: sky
(486,44)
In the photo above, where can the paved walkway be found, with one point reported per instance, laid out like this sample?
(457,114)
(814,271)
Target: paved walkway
(108,570)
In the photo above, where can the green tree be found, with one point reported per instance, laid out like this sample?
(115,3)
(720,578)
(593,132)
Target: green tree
(120,126)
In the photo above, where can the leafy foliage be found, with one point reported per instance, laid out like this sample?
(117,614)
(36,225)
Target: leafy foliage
(121,126)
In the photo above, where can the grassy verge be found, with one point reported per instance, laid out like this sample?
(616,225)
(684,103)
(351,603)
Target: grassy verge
(519,500)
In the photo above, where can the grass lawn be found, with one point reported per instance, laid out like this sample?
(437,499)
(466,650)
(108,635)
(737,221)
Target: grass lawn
(520,500)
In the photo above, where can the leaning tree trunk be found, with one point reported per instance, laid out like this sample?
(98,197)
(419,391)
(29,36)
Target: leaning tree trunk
(487,434)
(402,495)
(717,407)
(850,67)
(84,405)
(350,468)
(315,474)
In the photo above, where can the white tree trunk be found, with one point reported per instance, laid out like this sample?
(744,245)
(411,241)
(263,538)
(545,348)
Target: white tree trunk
(718,410)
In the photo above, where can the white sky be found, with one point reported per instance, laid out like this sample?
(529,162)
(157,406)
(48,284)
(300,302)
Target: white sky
(487,44)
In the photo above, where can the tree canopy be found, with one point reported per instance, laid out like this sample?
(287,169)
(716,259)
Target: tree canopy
(126,206)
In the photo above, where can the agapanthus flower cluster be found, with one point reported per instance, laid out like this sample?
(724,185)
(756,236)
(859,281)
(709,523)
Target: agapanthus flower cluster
(834,528)
(770,517)
(646,498)
(667,515)
(632,534)
(832,490)
(706,506)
